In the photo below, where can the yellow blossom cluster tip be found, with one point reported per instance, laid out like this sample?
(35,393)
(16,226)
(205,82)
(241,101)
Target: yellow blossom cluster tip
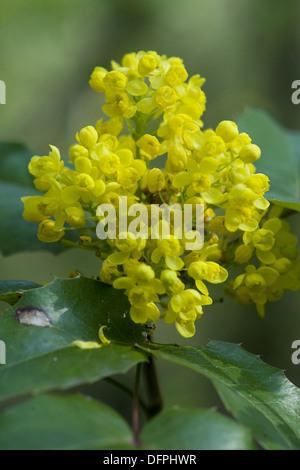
(152,149)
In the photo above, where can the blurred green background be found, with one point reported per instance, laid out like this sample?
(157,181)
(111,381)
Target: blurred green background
(248,52)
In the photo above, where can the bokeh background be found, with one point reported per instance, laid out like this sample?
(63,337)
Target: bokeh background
(248,50)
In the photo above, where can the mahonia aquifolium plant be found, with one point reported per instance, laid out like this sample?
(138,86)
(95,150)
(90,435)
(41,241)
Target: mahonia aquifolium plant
(154,112)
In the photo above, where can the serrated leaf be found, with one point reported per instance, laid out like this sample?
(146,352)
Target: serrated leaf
(53,422)
(278,159)
(258,395)
(12,291)
(40,359)
(17,234)
(195,429)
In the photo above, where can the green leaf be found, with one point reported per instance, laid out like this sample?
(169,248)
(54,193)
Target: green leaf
(195,429)
(83,423)
(15,182)
(12,291)
(258,395)
(52,422)
(278,159)
(14,160)
(40,358)
(294,138)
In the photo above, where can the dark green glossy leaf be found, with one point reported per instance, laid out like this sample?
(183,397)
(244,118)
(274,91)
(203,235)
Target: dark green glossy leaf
(52,422)
(40,358)
(258,395)
(195,429)
(76,422)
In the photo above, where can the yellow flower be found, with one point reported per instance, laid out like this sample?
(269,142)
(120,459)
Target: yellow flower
(114,82)
(227,130)
(76,151)
(87,137)
(171,249)
(243,253)
(128,245)
(147,313)
(149,146)
(257,282)
(250,153)
(168,277)
(155,180)
(142,289)
(163,98)
(119,106)
(32,205)
(47,232)
(147,63)
(46,168)
(259,183)
(176,75)
(264,239)
(130,61)
(241,209)
(212,146)
(206,271)
(86,184)
(96,80)
(130,170)
(75,216)
(113,126)
(39,208)
(213,168)
(196,181)
(184,309)
(109,272)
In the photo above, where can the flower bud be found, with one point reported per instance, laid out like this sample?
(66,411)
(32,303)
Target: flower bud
(250,153)
(168,277)
(282,265)
(227,130)
(147,64)
(242,254)
(165,96)
(144,273)
(76,151)
(114,82)
(155,180)
(46,232)
(96,80)
(149,146)
(88,137)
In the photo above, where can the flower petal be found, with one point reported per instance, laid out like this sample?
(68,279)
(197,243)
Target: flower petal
(187,331)
(174,262)
(136,88)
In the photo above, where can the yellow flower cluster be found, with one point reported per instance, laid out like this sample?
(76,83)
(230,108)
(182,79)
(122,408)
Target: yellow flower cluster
(279,270)
(153,150)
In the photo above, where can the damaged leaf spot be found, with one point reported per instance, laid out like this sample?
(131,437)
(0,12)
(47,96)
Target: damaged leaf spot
(33,316)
